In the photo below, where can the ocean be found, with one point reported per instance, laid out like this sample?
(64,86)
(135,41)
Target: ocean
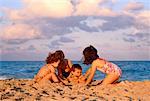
(131,70)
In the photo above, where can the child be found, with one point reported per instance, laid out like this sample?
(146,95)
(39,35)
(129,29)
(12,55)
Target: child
(75,76)
(64,66)
(47,72)
(91,57)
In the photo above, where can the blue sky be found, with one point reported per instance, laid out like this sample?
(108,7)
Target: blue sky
(30,29)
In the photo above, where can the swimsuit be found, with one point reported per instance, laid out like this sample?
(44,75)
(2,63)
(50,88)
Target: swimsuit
(65,74)
(61,68)
(111,68)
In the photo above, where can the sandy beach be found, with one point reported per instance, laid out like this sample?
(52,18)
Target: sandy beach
(22,90)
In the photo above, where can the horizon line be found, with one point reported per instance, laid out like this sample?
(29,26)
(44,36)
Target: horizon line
(71,60)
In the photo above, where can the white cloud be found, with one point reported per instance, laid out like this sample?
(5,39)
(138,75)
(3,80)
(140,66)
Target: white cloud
(49,18)
(92,7)
(134,6)
(19,31)
(41,8)
(144,18)
(49,8)
(91,22)
(141,21)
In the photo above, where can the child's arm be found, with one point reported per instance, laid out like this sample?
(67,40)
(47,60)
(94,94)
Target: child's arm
(91,74)
(68,67)
(95,64)
(69,63)
(60,72)
(70,75)
(65,82)
(87,73)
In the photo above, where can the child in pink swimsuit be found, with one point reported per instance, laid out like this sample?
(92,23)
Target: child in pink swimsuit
(112,71)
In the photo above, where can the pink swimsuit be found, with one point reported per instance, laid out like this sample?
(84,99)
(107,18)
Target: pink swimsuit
(111,68)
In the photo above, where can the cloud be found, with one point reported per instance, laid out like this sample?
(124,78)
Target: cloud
(140,36)
(55,44)
(60,42)
(93,22)
(92,8)
(134,6)
(59,9)
(49,8)
(15,14)
(17,48)
(10,49)
(142,26)
(36,9)
(121,21)
(23,56)
(140,40)
(31,48)
(47,27)
(15,41)
(19,33)
(129,39)
(65,39)
(51,26)
(45,19)
(42,28)
(143,19)
(67,24)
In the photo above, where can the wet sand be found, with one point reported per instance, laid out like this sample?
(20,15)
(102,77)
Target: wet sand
(23,90)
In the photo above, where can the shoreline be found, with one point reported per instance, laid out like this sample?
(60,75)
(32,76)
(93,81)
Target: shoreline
(21,89)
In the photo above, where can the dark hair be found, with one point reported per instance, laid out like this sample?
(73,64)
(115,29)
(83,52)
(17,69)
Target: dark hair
(54,57)
(64,62)
(90,54)
(75,66)
(60,53)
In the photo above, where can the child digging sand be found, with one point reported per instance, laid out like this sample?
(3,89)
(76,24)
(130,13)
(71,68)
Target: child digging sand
(112,71)
(47,72)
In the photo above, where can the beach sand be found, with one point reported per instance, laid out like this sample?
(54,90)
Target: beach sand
(22,90)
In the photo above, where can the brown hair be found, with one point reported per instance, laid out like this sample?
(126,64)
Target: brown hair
(90,54)
(60,53)
(64,62)
(54,57)
(75,66)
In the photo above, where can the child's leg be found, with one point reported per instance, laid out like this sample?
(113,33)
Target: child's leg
(110,78)
(50,77)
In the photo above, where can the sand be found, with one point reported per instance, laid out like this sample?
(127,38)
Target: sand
(22,90)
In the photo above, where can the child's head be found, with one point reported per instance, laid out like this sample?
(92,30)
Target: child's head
(60,53)
(62,63)
(76,70)
(90,54)
(54,58)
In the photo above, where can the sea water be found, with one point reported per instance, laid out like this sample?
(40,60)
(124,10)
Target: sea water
(131,70)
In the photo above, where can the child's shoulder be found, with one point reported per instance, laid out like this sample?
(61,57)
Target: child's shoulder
(44,68)
(99,61)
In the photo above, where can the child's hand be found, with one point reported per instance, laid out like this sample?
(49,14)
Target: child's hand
(67,70)
(63,81)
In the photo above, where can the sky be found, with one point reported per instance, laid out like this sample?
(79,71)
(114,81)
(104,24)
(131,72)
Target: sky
(118,29)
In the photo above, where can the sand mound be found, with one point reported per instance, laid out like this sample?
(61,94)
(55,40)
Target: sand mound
(22,90)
